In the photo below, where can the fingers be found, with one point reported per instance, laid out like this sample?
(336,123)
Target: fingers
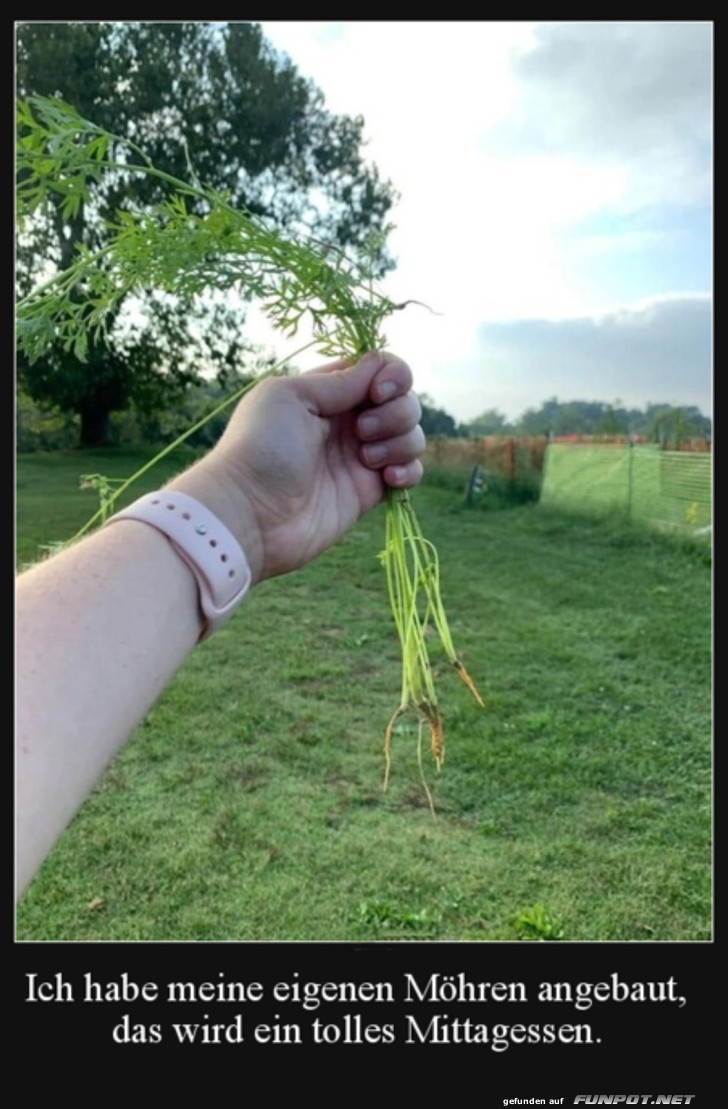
(388,425)
(338,387)
(393,379)
(396,451)
(395,417)
(405,476)
(392,440)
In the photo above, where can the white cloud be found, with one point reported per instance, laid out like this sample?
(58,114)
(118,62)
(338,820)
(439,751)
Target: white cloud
(655,350)
(547,172)
(631,93)
(618,86)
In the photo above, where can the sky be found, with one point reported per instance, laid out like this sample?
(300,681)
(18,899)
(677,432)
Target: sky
(555,202)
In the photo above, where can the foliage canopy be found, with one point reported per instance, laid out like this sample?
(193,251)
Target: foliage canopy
(211,101)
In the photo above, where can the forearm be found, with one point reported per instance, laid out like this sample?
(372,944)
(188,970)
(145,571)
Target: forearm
(101,629)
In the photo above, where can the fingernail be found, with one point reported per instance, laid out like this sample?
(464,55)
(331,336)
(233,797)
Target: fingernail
(399,474)
(386,389)
(374,453)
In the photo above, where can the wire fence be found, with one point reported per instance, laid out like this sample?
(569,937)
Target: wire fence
(670,489)
(638,481)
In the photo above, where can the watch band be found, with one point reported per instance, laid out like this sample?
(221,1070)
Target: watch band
(211,551)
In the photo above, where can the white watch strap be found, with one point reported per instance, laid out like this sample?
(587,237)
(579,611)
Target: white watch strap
(211,551)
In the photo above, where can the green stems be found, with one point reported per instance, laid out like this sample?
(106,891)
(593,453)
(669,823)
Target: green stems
(413,585)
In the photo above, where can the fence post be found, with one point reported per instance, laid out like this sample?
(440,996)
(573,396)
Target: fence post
(630,463)
(512,459)
(475,484)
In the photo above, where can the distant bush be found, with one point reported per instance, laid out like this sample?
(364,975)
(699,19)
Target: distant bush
(43,429)
(39,428)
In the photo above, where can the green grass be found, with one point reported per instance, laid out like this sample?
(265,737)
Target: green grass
(51,506)
(249,804)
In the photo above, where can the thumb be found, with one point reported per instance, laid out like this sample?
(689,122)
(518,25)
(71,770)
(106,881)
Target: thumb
(339,387)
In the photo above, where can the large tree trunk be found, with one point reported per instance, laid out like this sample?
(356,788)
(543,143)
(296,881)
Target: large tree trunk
(95,425)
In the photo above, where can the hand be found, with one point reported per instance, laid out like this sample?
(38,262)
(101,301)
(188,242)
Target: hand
(304,457)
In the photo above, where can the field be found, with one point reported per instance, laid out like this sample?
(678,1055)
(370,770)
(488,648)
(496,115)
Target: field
(249,804)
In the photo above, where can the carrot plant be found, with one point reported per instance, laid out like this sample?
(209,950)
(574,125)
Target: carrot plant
(188,244)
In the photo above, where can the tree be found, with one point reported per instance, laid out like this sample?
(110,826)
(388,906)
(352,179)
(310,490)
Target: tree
(613,420)
(214,100)
(670,426)
(436,421)
(490,422)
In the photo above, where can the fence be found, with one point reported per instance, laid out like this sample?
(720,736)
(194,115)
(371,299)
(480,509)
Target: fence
(671,489)
(503,469)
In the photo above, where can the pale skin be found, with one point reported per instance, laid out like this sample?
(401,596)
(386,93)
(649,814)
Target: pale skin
(103,626)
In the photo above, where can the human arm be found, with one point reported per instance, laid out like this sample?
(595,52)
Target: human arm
(103,626)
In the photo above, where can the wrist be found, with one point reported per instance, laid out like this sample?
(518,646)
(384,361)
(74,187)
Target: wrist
(209,482)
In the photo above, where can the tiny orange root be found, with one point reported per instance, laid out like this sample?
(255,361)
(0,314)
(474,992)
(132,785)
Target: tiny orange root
(437,739)
(468,681)
(437,742)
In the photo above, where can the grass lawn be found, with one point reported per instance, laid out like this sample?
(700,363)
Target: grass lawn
(249,804)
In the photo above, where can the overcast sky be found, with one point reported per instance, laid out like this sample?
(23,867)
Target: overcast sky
(555,201)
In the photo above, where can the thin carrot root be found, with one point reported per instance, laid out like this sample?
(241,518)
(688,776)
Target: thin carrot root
(388,743)
(423,779)
(468,681)
(428,715)
(413,583)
